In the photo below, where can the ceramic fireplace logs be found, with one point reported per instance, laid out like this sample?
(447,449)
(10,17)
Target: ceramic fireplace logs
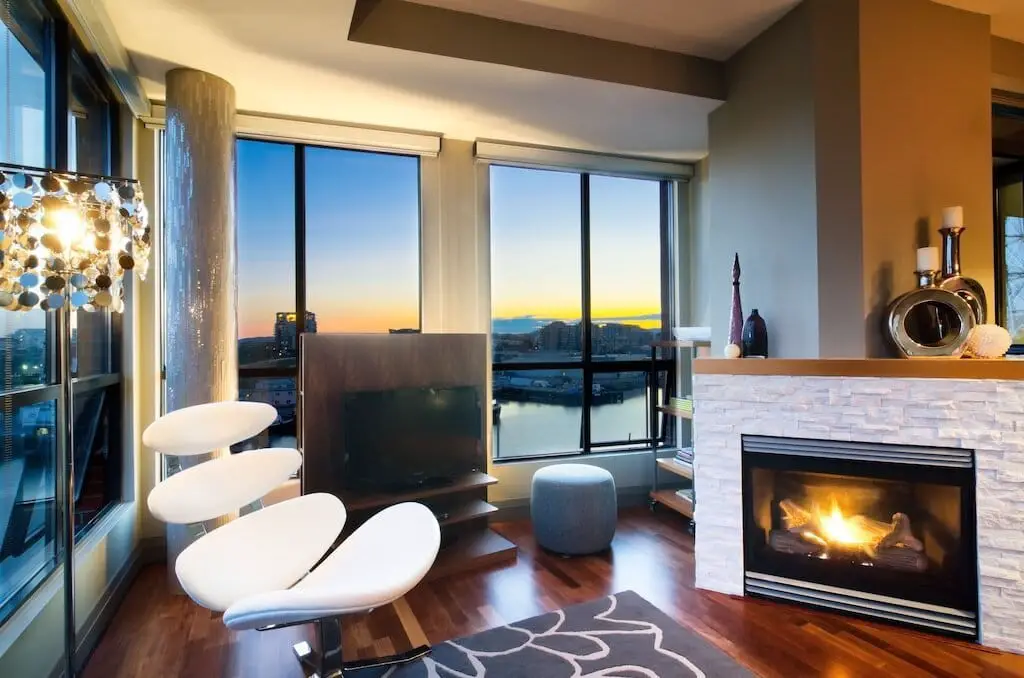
(829,534)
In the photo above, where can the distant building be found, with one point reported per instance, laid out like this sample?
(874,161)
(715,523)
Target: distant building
(286,341)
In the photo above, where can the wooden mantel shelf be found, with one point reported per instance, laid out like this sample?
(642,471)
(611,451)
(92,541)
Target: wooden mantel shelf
(923,368)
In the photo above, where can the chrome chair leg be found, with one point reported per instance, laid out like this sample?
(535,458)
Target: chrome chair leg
(328,662)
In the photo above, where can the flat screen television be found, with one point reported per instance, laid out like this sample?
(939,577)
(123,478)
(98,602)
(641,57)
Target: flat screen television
(405,438)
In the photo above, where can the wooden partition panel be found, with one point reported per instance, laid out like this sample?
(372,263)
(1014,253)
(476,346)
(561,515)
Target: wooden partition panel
(334,365)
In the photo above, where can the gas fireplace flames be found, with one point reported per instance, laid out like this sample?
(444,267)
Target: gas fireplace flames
(829,533)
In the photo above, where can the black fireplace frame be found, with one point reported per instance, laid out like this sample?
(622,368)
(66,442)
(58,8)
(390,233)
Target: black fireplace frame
(766,571)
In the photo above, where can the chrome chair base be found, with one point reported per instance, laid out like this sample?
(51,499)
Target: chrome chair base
(328,663)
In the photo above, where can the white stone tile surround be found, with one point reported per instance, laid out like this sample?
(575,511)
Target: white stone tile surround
(986,415)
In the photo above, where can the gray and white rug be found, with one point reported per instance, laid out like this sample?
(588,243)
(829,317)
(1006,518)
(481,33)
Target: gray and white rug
(621,636)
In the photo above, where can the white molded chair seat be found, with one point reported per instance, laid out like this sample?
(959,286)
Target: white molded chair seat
(261,552)
(204,428)
(223,485)
(380,562)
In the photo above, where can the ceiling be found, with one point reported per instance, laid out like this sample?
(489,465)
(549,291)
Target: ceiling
(715,29)
(299,63)
(289,61)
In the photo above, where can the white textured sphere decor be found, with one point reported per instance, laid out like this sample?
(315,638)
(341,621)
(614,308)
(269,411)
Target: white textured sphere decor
(267,550)
(204,428)
(221,486)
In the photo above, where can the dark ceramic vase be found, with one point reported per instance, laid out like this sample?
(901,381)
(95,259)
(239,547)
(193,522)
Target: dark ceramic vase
(755,337)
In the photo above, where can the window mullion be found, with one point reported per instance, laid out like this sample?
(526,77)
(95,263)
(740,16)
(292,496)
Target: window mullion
(585,324)
(300,281)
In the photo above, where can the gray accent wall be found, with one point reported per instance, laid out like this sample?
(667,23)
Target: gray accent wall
(762,190)
(849,126)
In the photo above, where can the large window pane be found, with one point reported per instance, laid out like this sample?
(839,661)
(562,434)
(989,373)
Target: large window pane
(625,270)
(536,271)
(88,123)
(24,350)
(90,343)
(23,86)
(97,456)
(1010,205)
(362,240)
(281,393)
(266,254)
(28,462)
(537,412)
(620,408)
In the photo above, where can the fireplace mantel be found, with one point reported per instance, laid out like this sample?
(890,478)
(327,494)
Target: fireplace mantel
(920,368)
(971,405)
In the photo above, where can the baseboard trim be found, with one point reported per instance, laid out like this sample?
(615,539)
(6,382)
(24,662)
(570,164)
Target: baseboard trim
(147,552)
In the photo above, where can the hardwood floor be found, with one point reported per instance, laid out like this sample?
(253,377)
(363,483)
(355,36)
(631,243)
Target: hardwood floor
(159,634)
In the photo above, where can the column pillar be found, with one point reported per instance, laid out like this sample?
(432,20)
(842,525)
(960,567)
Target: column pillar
(201,334)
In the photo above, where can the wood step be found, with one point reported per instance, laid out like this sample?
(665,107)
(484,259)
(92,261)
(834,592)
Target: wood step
(471,551)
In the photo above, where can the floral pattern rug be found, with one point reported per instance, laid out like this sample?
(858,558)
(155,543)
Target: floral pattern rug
(620,636)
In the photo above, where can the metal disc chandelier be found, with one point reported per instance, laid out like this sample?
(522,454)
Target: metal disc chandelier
(68,238)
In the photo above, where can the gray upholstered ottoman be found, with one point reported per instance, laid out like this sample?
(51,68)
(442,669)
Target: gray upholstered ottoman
(573,508)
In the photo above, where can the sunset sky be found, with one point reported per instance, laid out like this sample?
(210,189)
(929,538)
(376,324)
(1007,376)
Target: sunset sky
(362,216)
(362,238)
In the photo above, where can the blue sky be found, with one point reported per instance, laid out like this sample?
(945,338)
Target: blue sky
(362,242)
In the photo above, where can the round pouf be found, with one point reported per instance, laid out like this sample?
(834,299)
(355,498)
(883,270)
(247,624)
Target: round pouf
(573,508)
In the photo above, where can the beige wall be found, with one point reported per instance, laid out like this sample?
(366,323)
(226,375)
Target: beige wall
(926,141)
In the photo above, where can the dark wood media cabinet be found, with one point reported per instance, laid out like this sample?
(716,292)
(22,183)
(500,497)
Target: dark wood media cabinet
(333,364)
(462,510)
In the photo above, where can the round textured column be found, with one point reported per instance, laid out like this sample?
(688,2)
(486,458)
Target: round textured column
(201,335)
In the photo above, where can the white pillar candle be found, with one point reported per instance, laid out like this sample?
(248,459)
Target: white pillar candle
(927,259)
(953,217)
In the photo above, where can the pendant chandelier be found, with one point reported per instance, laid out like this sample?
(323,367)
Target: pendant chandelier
(69,238)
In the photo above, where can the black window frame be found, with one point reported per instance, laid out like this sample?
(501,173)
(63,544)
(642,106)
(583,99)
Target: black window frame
(61,46)
(293,371)
(666,435)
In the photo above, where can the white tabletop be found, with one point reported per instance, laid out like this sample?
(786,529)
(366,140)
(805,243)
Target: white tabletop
(221,486)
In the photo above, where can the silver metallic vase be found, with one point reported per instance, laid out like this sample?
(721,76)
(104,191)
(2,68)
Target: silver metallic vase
(968,289)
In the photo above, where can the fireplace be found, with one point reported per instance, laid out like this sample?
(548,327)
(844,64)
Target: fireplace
(880,531)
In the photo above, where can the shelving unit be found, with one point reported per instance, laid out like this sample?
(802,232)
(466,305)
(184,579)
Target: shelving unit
(678,472)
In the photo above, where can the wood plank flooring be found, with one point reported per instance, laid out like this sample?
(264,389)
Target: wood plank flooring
(159,634)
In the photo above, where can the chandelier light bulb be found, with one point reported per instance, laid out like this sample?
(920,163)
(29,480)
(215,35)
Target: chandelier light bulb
(70,227)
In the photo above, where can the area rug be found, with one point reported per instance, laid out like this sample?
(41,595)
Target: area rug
(620,636)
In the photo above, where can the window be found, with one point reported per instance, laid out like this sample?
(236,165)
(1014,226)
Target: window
(1008,175)
(72,130)
(328,235)
(89,119)
(579,290)
(23,51)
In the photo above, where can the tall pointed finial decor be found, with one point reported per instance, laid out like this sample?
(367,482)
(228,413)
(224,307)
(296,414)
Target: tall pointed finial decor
(736,314)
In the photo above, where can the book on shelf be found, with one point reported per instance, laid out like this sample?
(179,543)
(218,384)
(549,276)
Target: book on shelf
(685,455)
(684,404)
(685,493)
